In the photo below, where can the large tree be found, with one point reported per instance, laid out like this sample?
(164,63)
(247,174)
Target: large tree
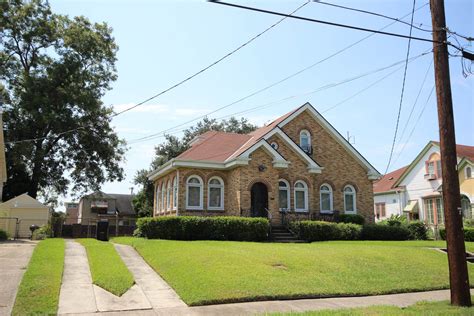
(173,147)
(54,71)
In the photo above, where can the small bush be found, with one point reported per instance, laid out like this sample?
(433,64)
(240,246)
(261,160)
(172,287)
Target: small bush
(384,232)
(394,220)
(3,235)
(468,233)
(320,231)
(203,228)
(351,218)
(469,223)
(418,230)
(42,233)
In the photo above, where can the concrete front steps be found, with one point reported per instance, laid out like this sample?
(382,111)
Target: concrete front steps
(283,235)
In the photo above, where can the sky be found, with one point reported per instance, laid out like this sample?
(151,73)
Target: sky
(163,42)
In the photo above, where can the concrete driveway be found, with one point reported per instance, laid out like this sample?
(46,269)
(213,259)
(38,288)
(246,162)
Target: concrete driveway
(14,257)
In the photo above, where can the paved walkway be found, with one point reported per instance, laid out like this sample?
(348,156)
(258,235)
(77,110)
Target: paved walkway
(14,257)
(252,308)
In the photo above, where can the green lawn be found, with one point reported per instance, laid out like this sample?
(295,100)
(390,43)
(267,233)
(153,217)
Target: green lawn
(207,272)
(422,308)
(39,289)
(107,268)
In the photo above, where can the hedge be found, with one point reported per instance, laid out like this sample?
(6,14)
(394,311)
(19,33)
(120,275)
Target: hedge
(384,232)
(203,228)
(351,218)
(418,230)
(3,235)
(468,233)
(320,231)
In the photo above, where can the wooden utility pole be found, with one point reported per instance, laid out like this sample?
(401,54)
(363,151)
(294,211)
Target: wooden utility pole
(458,276)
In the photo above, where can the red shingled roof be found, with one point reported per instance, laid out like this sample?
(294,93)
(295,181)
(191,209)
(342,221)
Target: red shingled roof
(220,146)
(386,182)
(463,151)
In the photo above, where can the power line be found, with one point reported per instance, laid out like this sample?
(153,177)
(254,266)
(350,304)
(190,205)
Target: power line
(212,64)
(328,22)
(322,88)
(372,13)
(281,80)
(403,91)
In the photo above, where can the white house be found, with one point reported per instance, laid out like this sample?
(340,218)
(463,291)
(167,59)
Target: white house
(415,190)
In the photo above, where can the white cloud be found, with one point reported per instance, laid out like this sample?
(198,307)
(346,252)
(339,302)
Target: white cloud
(189,111)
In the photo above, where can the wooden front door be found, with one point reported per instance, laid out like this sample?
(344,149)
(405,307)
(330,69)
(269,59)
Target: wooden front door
(259,200)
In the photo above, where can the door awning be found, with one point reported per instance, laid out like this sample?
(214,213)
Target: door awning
(412,207)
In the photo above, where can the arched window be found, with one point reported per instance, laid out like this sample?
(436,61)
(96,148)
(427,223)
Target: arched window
(350,200)
(433,166)
(168,196)
(468,172)
(283,195)
(301,196)
(175,193)
(215,194)
(325,193)
(194,193)
(158,201)
(163,197)
(305,141)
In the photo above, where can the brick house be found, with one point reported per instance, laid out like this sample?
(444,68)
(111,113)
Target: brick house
(298,163)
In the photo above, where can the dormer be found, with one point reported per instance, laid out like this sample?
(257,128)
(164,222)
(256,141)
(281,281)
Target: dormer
(433,167)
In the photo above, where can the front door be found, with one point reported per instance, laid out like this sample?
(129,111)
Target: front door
(259,200)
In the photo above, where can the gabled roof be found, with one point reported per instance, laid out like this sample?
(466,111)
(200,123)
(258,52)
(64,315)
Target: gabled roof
(123,202)
(221,150)
(23,201)
(387,182)
(462,151)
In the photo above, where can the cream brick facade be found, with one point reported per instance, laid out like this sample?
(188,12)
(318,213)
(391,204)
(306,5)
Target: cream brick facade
(339,168)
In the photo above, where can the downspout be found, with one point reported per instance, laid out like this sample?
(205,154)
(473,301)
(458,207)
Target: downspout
(177,193)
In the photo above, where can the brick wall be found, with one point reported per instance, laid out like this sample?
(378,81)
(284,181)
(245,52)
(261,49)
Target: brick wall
(340,169)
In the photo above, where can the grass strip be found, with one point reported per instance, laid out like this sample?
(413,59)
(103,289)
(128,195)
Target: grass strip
(212,272)
(441,308)
(107,268)
(38,293)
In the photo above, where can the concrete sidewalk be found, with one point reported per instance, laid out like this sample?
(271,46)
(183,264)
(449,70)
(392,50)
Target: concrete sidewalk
(14,257)
(252,308)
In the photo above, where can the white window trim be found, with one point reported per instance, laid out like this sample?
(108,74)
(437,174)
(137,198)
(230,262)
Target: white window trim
(168,196)
(220,186)
(465,172)
(331,199)
(354,194)
(309,137)
(162,204)
(287,189)
(157,202)
(201,195)
(175,193)
(306,196)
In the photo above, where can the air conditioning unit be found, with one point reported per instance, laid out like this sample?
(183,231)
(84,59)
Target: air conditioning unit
(430,176)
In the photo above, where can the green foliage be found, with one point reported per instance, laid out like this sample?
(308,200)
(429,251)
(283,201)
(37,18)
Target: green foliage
(107,268)
(3,235)
(384,232)
(351,218)
(418,230)
(319,230)
(209,272)
(468,233)
(468,223)
(38,293)
(395,220)
(42,233)
(203,228)
(54,70)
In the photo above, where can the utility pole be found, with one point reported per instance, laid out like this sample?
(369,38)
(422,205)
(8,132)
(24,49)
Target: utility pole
(458,276)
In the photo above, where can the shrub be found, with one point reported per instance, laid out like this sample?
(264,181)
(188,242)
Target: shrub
(42,233)
(469,223)
(384,232)
(468,233)
(319,230)
(394,220)
(3,235)
(418,230)
(203,228)
(351,218)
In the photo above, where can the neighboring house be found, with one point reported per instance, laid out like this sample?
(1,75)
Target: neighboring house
(72,213)
(297,163)
(416,190)
(19,213)
(105,206)
(3,161)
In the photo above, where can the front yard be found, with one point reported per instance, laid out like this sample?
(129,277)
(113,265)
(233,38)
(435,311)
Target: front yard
(207,272)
